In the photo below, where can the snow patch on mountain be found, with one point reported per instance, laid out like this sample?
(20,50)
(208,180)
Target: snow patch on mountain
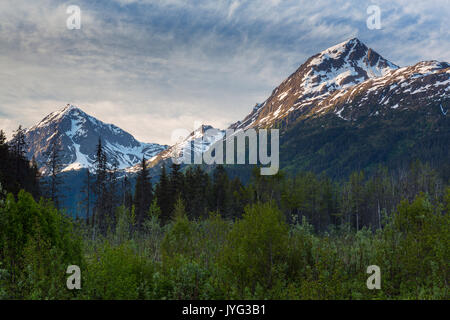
(196,143)
(337,68)
(79,134)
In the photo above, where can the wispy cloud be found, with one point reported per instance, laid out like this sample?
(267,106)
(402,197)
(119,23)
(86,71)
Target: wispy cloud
(151,66)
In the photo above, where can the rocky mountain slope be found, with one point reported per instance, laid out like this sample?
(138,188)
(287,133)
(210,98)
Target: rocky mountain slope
(79,134)
(349,95)
(347,108)
(332,70)
(197,142)
(422,85)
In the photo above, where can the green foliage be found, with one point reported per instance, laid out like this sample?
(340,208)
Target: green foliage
(304,238)
(154,210)
(36,246)
(330,145)
(124,225)
(415,250)
(256,251)
(179,236)
(3,283)
(117,272)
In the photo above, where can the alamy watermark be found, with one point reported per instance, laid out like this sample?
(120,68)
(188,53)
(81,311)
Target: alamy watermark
(73,22)
(74,280)
(374,281)
(233,147)
(373,21)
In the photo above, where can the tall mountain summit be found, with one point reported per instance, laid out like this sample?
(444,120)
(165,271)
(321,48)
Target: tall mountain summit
(338,67)
(348,108)
(79,134)
(350,80)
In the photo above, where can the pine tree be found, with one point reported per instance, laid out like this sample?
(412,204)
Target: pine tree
(195,192)
(18,143)
(54,167)
(356,188)
(239,200)
(16,172)
(100,188)
(143,194)
(35,178)
(18,148)
(112,196)
(179,211)
(176,182)
(221,192)
(86,195)
(127,195)
(2,138)
(162,193)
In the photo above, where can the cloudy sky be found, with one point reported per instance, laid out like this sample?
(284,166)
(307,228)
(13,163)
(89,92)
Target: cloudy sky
(152,66)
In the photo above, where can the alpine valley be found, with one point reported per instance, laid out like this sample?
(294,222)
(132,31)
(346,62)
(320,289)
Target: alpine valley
(346,108)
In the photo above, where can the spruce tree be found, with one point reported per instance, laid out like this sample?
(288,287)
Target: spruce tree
(35,177)
(195,192)
(18,144)
(127,195)
(16,172)
(176,182)
(100,188)
(54,167)
(86,195)
(143,194)
(162,193)
(112,196)
(221,194)
(18,148)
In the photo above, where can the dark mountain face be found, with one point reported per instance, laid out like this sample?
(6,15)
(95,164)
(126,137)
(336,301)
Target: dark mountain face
(390,120)
(79,134)
(334,146)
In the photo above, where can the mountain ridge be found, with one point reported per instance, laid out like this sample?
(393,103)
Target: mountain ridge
(348,81)
(338,67)
(79,134)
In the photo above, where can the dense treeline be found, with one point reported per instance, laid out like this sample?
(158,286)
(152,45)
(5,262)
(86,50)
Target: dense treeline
(328,144)
(16,171)
(198,236)
(359,201)
(257,256)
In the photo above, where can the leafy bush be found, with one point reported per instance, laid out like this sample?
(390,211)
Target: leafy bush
(36,245)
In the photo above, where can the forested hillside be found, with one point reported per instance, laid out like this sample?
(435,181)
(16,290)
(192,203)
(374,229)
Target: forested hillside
(16,171)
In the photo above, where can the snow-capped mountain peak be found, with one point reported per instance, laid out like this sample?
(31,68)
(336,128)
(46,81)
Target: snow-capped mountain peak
(338,67)
(197,142)
(79,134)
(351,54)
